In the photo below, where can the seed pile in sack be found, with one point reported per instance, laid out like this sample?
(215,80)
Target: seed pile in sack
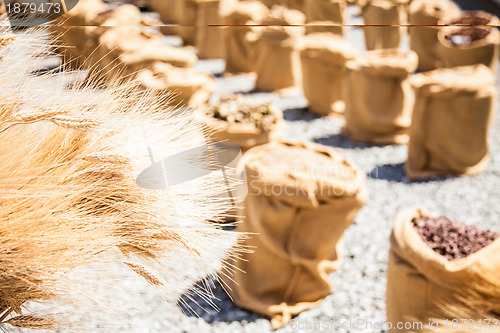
(379,97)
(277,60)
(177,86)
(470,45)
(323,57)
(435,261)
(69,35)
(244,122)
(382,12)
(302,197)
(423,39)
(209,41)
(329,12)
(453,112)
(241,36)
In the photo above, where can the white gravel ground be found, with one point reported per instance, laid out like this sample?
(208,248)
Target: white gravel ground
(359,286)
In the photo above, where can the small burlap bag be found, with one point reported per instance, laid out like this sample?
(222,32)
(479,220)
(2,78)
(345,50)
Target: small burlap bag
(302,197)
(277,60)
(331,11)
(458,46)
(210,40)
(169,12)
(123,51)
(291,4)
(323,27)
(323,57)
(295,4)
(453,112)
(177,86)
(241,37)
(187,11)
(245,136)
(420,281)
(379,98)
(129,15)
(382,12)
(69,35)
(78,35)
(423,39)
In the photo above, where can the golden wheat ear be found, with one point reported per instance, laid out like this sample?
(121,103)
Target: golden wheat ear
(71,207)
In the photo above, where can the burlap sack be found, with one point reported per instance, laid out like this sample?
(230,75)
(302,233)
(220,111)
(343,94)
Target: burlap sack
(128,15)
(187,12)
(277,60)
(382,12)
(295,4)
(76,34)
(423,39)
(210,40)
(323,59)
(453,112)
(331,11)
(124,50)
(323,27)
(379,98)
(177,86)
(241,37)
(302,197)
(68,33)
(169,12)
(245,136)
(419,280)
(403,15)
(291,4)
(483,51)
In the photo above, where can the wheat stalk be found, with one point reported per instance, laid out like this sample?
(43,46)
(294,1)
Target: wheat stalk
(69,197)
(32,322)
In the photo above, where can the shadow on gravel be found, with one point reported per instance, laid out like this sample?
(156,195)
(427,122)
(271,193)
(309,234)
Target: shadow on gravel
(391,172)
(209,301)
(396,173)
(49,70)
(339,140)
(299,114)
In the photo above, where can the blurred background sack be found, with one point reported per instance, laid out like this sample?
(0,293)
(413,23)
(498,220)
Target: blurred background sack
(426,14)
(277,62)
(470,45)
(454,110)
(323,58)
(301,199)
(379,97)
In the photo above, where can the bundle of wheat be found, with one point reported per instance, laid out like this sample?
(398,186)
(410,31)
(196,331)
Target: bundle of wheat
(69,196)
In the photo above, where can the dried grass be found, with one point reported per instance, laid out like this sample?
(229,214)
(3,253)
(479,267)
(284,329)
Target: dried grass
(68,195)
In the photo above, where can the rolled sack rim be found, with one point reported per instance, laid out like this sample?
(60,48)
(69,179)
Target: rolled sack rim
(435,267)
